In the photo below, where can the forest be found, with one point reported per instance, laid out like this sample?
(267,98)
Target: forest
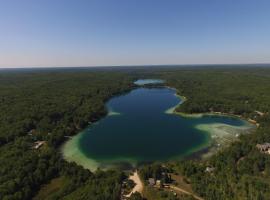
(50,105)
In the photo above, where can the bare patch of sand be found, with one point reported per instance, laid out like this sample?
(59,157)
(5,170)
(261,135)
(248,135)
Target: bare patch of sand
(139,185)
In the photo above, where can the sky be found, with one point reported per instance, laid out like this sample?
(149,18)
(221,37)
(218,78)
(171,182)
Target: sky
(62,33)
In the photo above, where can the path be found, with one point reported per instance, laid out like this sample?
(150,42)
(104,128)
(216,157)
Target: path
(139,185)
(186,192)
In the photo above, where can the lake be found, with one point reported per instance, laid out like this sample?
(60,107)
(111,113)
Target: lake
(139,129)
(148,81)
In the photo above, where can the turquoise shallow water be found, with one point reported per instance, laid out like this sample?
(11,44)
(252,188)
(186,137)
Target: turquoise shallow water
(139,130)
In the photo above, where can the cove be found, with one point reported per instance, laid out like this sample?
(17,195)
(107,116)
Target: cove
(140,129)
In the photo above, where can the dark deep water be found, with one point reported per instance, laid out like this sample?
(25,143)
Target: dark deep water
(138,130)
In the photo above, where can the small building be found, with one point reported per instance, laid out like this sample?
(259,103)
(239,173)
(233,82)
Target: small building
(151,181)
(264,148)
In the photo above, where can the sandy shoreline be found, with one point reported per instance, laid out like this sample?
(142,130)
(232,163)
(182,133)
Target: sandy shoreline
(172,109)
(71,153)
(222,135)
(138,184)
(219,134)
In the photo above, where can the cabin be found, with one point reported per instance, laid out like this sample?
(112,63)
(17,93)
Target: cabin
(264,148)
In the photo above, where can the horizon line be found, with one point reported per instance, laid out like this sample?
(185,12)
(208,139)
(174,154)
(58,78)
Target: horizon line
(129,65)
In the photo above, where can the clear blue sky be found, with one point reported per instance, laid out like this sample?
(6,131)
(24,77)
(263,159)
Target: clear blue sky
(133,32)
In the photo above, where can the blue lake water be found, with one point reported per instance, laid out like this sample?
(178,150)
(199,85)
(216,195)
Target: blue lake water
(148,81)
(138,130)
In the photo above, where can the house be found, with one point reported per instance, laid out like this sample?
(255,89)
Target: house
(151,181)
(264,148)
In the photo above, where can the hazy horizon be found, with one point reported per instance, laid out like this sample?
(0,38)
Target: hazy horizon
(251,65)
(102,33)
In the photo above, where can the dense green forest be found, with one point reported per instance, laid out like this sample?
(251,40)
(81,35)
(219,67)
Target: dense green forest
(50,105)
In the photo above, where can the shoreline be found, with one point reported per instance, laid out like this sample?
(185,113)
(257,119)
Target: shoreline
(216,131)
(221,136)
(198,115)
(71,152)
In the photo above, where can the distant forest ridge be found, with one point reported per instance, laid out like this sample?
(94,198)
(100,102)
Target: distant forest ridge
(156,66)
